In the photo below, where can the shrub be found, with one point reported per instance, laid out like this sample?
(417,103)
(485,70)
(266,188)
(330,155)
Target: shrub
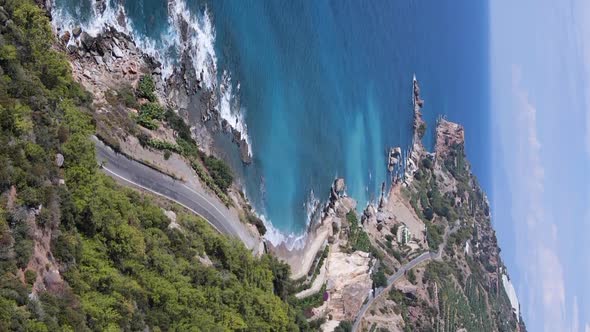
(178,124)
(434,235)
(188,149)
(220,172)
(152,110)
(203,175)
(411,276)
(427,163)
(396,296)
(127,97)
(146,88)
(148,113)
(344,326)
(30,277)
(421,130)
(257,222)
(147,123)
(379,278)
(358,238)
(163,145)
(428,213)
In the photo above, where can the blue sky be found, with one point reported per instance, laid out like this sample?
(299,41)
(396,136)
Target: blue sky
(540,92)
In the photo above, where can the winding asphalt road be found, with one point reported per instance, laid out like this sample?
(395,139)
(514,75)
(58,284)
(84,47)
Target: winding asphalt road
(427,256)
(201,203)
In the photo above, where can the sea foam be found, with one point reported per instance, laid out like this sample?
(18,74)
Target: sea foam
(187,33)
(293,241)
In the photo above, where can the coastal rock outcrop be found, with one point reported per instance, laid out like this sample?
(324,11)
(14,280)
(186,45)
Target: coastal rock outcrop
(118,54)
(394,158)
(449,137)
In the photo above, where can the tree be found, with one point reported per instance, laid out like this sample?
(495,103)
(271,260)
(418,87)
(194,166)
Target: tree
(344,326)
(411,276)
(379,278)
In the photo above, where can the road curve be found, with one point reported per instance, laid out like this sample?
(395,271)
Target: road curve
(427,256)
(135,174)
(393,278)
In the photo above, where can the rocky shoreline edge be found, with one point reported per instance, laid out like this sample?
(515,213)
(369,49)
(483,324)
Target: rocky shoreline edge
(113,57)
(114,50)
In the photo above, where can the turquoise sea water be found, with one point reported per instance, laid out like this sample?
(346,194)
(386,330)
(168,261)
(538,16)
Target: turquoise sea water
(325,86)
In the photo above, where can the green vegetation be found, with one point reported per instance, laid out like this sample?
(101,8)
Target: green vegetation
(163,145)
(434,235)
(123,268)
(152,111)
(312,301)
(379,278)
(148,114)
(219,171)
(30,277)
(411,275)
(125,96)
(205,177)
(214,172)
(251,218)
(459,308)
(318,262)
(421,130)
(358,238)
(467,296)
(344,326)
(146,88)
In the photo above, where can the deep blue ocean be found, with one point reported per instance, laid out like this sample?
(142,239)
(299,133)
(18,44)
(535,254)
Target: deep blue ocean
(325,86)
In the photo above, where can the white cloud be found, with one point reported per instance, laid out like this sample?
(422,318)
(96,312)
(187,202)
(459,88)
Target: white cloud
(575,316)
(537,253)
(581,26)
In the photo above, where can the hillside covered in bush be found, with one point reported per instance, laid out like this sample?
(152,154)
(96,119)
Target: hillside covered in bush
(80,253)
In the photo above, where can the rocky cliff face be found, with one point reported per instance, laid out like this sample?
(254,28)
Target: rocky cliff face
(110,62)
(462,290)
(438,212)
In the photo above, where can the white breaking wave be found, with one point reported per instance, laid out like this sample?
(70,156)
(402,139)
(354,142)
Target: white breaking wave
(230,109)
(187,33)
(113,15)
(292,240)
(198,41)
(311,207)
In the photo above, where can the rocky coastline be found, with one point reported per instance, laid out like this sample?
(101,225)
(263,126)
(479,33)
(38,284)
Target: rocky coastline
(112,57)
(427,246)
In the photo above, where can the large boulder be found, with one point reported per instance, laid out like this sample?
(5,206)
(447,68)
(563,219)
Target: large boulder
(117,52)
(339,185)
(77,31)
(65,38)
(87,40)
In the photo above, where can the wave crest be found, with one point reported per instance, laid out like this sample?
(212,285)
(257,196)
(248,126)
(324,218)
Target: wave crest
(187,33)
